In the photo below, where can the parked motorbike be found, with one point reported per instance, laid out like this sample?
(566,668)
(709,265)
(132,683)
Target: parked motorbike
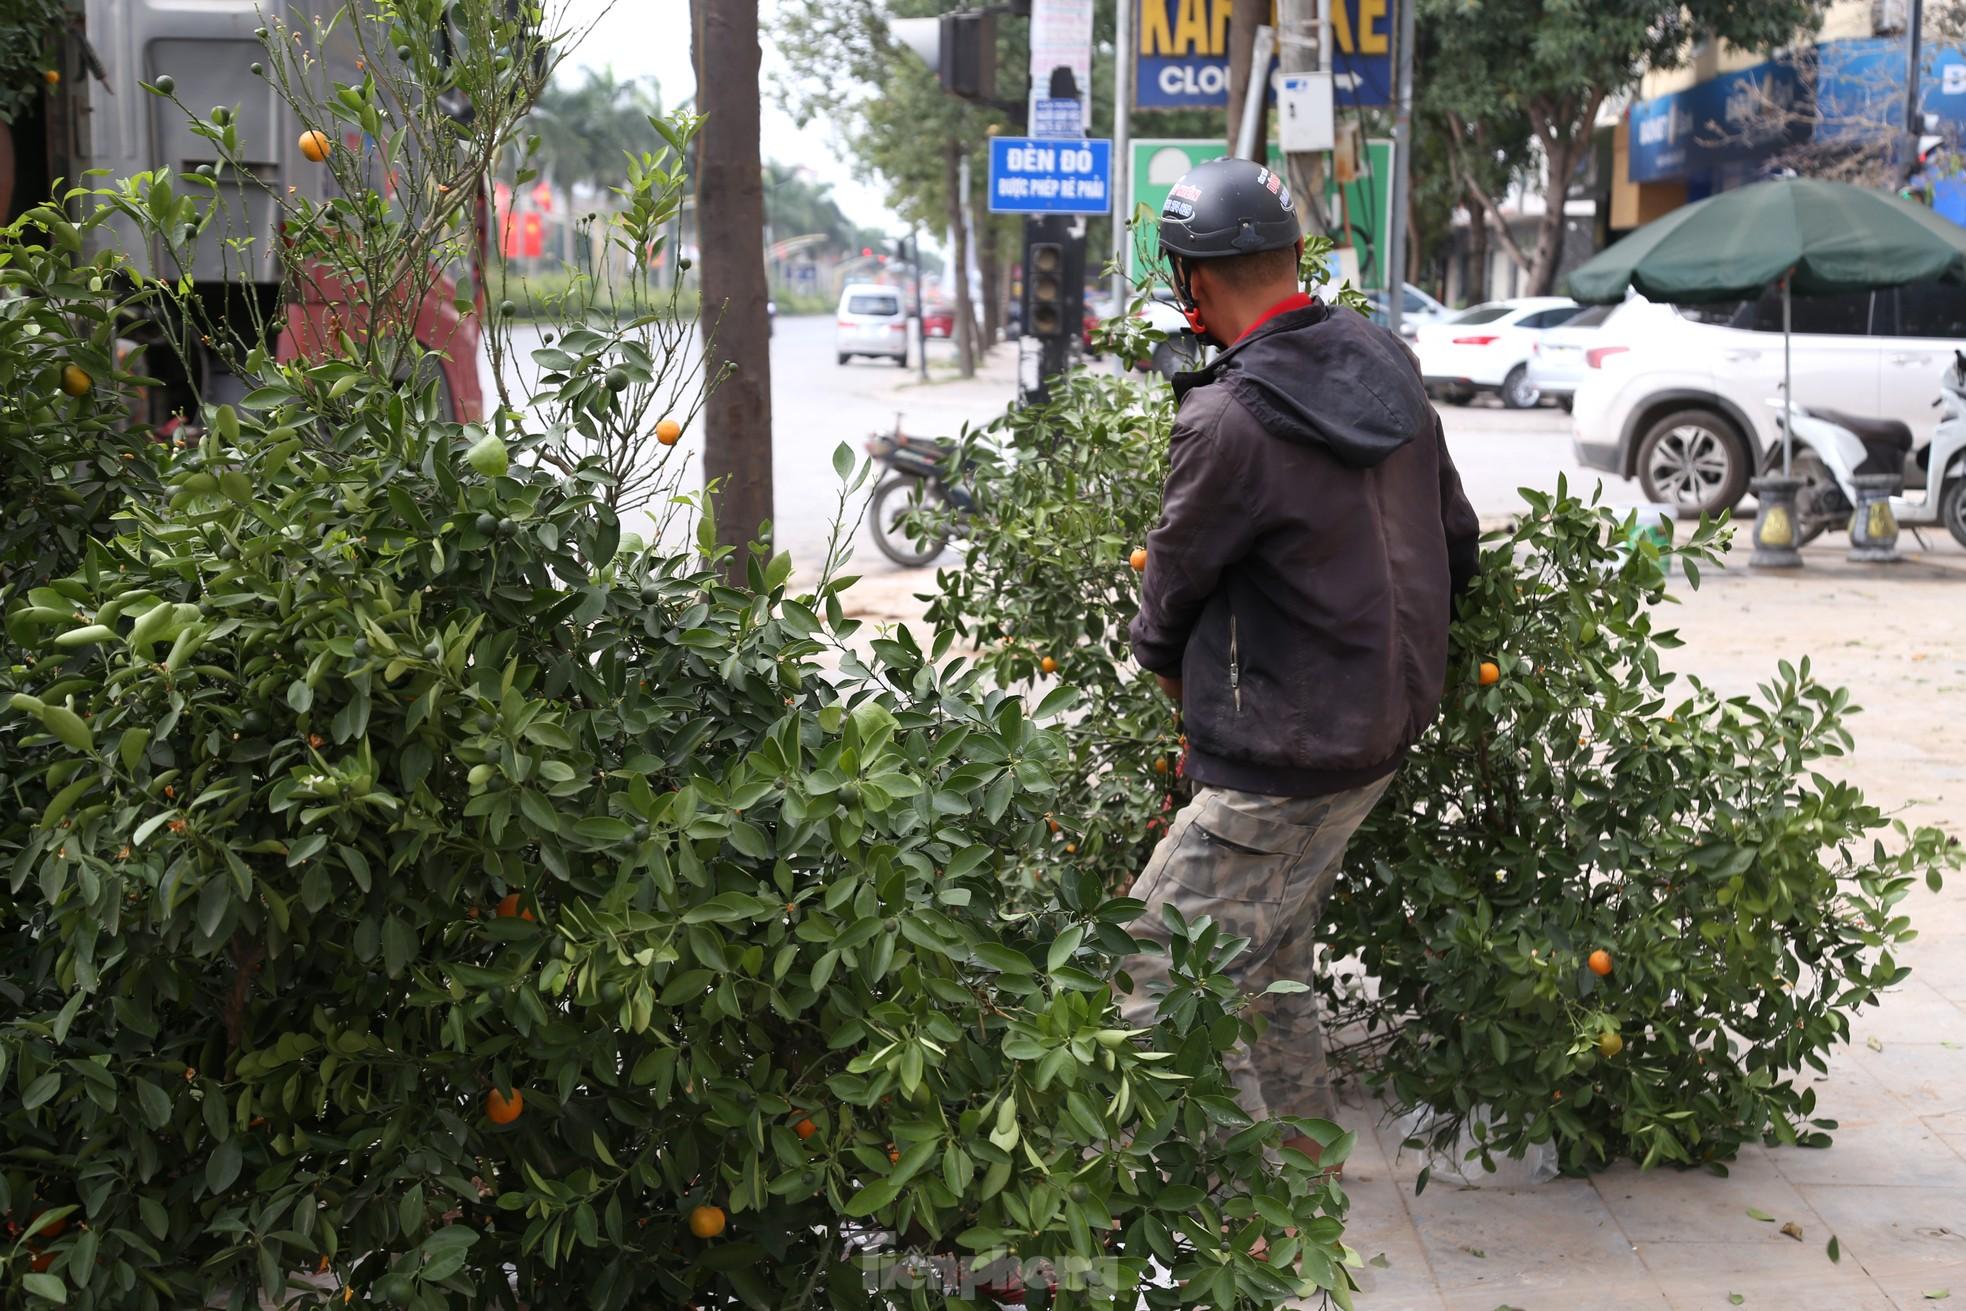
(921,499)
(1832,447)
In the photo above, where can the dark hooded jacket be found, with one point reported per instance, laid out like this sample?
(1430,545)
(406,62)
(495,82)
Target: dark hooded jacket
(1313,535)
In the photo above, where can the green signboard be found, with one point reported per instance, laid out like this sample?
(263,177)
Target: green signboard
(1158,164)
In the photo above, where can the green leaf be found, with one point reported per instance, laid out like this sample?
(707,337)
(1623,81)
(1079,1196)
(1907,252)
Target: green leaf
(47,1286)
(1835,1249)
(881,1193)
(603,830)
(64,800)
(153,1102)
(149,826)
(222,1167)
(1937,1294)
(89,635)
(1002,959)
(1756,1213)
(1057,700)
(38,1092)
(130,747)
(68,726)
(398,945)
(1735,1299)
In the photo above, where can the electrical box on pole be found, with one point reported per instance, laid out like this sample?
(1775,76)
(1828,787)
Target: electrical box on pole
(1305,121)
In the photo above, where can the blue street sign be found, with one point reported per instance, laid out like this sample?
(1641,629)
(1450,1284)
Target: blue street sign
(1057,118)
(1029,175)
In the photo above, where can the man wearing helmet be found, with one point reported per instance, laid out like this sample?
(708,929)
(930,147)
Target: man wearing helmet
(1313,535)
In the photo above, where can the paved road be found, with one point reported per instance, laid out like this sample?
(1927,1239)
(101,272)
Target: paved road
(817,403)
(1499,451)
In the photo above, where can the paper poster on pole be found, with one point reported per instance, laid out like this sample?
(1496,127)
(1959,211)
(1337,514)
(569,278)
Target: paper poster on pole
(1061,37)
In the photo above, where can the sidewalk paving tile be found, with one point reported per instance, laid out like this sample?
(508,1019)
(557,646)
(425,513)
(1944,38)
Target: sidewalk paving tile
(1935,959)
(1928,1077)
(1879,1138)
(1669,1205)
(1908,1239)
(1379,1226)
(1551,1246)
(1914,1011)
(1783,1274)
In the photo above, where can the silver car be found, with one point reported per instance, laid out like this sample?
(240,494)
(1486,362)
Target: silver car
(872,321)
(1560,359)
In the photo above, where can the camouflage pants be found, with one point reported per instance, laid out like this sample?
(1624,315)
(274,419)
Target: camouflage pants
(1260,866)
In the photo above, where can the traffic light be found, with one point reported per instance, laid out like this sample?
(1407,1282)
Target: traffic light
(1053,272)
(1044,278)
(960,47)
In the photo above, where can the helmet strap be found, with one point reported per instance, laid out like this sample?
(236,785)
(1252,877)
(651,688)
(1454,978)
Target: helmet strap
(1185,294)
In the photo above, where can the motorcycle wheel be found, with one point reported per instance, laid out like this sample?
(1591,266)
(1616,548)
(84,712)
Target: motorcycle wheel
(894,500)
(1819,503)
(1952,508)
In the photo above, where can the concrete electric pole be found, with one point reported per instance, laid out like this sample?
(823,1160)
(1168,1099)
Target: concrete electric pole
(1303,37)
(1400,198)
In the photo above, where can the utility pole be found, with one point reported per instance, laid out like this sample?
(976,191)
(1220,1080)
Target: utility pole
(1249,71)
(1400,199)
(921,310)
(1252,142)
(1303,40)
(1914,110)
(1123,56)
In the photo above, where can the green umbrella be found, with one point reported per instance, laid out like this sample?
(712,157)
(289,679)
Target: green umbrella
(1814,238)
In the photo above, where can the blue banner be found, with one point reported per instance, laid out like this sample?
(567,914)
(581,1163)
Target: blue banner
(1861,86)
(1032,175)
(1735,116)
(1183,59)
(1838,90)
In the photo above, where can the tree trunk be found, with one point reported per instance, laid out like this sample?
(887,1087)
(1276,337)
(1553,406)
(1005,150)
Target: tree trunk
(1245,16)
(1000,292)
(1565,132)
(730,211)
(1475,288)
(987,253)
(952,153)
(6,173)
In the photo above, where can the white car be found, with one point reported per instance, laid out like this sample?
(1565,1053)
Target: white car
(872,321)
(1684,408)
(1487,348)
(1558,358)
(1416,310)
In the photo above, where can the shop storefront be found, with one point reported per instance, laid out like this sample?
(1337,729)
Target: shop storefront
(1742,125)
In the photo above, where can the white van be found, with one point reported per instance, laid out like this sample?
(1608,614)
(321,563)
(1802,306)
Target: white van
(872,321)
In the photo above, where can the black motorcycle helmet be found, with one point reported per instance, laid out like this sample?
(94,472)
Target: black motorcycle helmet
(1223,208)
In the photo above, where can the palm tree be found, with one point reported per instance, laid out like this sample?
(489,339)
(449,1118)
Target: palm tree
(586,130)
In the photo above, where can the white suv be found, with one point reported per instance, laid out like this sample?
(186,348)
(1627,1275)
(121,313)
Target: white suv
(1681,400)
